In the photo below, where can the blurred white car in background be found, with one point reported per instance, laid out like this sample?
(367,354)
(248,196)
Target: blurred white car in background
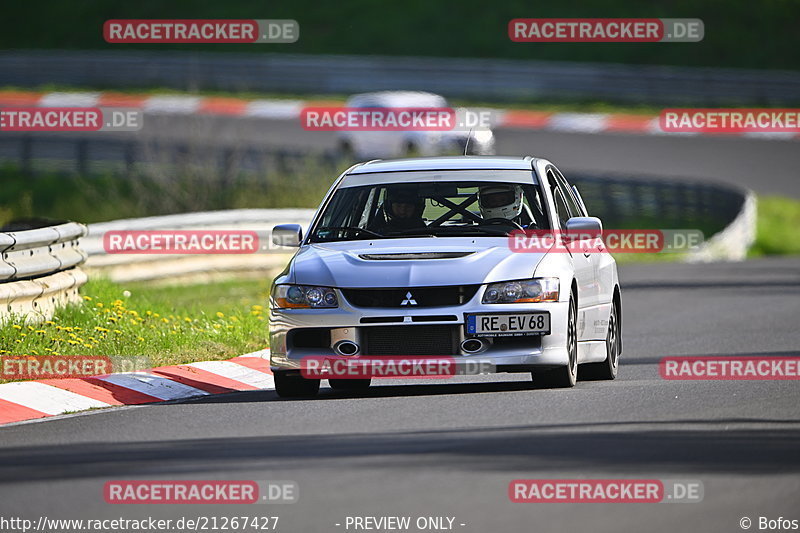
(383,144)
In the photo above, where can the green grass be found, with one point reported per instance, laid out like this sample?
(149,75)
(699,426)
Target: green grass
(777,227)
(104,197)
(168,325)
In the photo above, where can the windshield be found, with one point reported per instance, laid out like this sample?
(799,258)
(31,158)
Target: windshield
(425,209)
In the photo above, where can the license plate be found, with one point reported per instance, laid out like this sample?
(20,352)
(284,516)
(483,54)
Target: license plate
(508,324)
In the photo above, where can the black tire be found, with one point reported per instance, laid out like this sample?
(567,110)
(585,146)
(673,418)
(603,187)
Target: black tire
(294,386)
(607,370)
(350,384)
(566,376)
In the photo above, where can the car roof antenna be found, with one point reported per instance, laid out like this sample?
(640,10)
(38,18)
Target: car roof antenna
(466,144)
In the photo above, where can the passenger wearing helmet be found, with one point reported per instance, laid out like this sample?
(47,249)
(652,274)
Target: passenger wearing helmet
(402,209)
(503,201)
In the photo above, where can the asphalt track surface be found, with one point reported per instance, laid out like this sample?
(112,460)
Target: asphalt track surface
(451,448)
(767,166)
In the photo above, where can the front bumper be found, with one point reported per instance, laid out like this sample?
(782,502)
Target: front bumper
(291,328)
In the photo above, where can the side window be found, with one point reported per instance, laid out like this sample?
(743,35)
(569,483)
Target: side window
(561,208)
(566,207)
(570,194)
(557,181)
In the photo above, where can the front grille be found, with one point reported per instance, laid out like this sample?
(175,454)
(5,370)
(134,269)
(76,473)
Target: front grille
(409,340)
(420,296)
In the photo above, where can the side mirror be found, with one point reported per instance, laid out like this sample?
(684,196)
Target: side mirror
(584,224)
(287,235)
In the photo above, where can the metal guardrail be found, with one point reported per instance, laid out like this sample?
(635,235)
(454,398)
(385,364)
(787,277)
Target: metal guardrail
(487,79)
(39,252)
(39,270)
(156,267)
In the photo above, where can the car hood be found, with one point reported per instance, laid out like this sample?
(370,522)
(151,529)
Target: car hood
(425,262)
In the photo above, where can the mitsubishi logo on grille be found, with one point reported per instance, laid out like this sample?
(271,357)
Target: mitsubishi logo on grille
(409,299)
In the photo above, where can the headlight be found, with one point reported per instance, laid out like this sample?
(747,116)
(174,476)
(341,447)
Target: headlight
(304,297)
(523,291)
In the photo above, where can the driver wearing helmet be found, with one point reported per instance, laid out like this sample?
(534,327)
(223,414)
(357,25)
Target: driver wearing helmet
(503,201)
(402,209)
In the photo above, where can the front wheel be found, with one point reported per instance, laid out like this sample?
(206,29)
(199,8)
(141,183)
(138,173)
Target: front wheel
(294,386)
(608,369)
(565,376)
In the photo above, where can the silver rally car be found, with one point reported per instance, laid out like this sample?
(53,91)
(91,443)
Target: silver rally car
(412,257)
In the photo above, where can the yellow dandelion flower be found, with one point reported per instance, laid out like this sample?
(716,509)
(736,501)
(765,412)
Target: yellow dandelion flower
(88,346)
(87,298)
(187,319)
(50,323)
(258,307)
(73,342)
(117,331)
(140,339)
(220,315)
(99,304)
(16,326)
(165,320)
(23,334)
(234,318)
(112,319)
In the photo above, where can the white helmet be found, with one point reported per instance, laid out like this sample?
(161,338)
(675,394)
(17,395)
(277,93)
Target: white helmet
(500,201)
